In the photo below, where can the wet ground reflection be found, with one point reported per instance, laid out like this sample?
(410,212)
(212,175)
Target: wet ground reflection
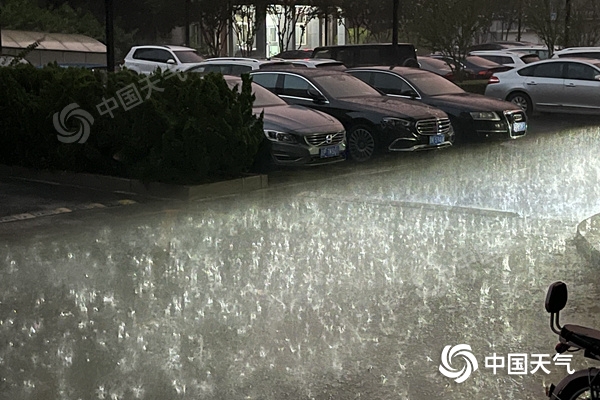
(291,301)
(348,288)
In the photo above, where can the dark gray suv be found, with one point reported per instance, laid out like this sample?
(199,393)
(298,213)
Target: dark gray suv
(365,55)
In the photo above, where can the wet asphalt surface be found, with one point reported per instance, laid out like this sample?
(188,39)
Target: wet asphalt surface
(344,282)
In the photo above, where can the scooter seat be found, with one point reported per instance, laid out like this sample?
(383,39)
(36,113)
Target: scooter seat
(581,336)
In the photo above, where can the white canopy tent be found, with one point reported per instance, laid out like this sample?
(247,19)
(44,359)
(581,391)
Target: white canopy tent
(60,47)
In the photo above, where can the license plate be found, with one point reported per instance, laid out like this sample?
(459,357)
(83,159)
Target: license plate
(331,151)
(519,126)
(436,139)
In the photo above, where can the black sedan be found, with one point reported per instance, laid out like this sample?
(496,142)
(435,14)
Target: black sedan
(473,116)
(374,122)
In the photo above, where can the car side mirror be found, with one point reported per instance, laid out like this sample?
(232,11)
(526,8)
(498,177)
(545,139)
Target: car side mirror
(557,296)
(171,61)
(316,95)
(597,77)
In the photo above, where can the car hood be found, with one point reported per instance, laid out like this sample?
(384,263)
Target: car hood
(298,119)
(470,102)
(396,107)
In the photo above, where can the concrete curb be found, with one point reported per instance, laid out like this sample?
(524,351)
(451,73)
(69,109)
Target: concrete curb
(133,186)
(587,239)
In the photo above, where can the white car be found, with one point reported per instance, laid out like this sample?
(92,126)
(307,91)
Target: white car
(318,63)
(540,51)
(509,58)
(147,59)
(235,65)
(555,85)
(583,52)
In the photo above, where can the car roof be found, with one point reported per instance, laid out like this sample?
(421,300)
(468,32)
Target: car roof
(399,70)
(590,61)
(575,49)
(497,52)
(245,61)
(360,45)
(306,72)
(315,61)
(170,47)
(504,44)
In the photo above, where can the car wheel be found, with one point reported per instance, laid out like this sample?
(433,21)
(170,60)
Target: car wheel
(361,143)
(522,100)
(460,135)
(411,62)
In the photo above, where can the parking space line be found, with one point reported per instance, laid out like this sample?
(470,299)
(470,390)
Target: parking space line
(64,210)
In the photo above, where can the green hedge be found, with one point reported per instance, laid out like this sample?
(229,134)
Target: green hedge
(187,129)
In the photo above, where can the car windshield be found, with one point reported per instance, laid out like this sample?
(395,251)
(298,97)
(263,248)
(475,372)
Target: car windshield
(197,68)
(430,84)
(263,97)
(188,56)
(343,86)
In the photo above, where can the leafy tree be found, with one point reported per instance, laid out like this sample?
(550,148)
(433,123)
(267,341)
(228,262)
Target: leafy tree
(27,15)
(149,19)
(585,23)
(245,26)
(286,16)
(355,17)
(450,26)
(509,13)
(213,17)
(546,18)
(367,20)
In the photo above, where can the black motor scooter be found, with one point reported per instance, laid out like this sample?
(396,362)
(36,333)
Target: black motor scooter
(584,384)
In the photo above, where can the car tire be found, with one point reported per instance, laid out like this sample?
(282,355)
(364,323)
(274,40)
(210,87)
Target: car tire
(411,63)
(522,100)
(361,143)
(460,136)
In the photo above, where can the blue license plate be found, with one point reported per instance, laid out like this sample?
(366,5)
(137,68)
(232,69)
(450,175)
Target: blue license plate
(331,151)
(519,126)
(436,139)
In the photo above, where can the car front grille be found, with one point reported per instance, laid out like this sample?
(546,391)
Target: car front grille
(515,116)
(325,139)
(434,126)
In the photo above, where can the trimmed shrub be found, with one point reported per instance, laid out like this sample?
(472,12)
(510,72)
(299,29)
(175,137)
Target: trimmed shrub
(164,127)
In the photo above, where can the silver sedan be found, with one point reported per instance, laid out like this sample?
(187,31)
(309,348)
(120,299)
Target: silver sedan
(555,85)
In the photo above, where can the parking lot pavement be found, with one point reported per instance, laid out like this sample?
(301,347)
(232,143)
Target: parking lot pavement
(27,199)
(339,282)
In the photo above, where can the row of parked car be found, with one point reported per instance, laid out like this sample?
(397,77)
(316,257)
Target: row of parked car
(316,110)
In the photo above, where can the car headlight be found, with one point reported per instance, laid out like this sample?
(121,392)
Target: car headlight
(485,116)
(277,136)
(393,122)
